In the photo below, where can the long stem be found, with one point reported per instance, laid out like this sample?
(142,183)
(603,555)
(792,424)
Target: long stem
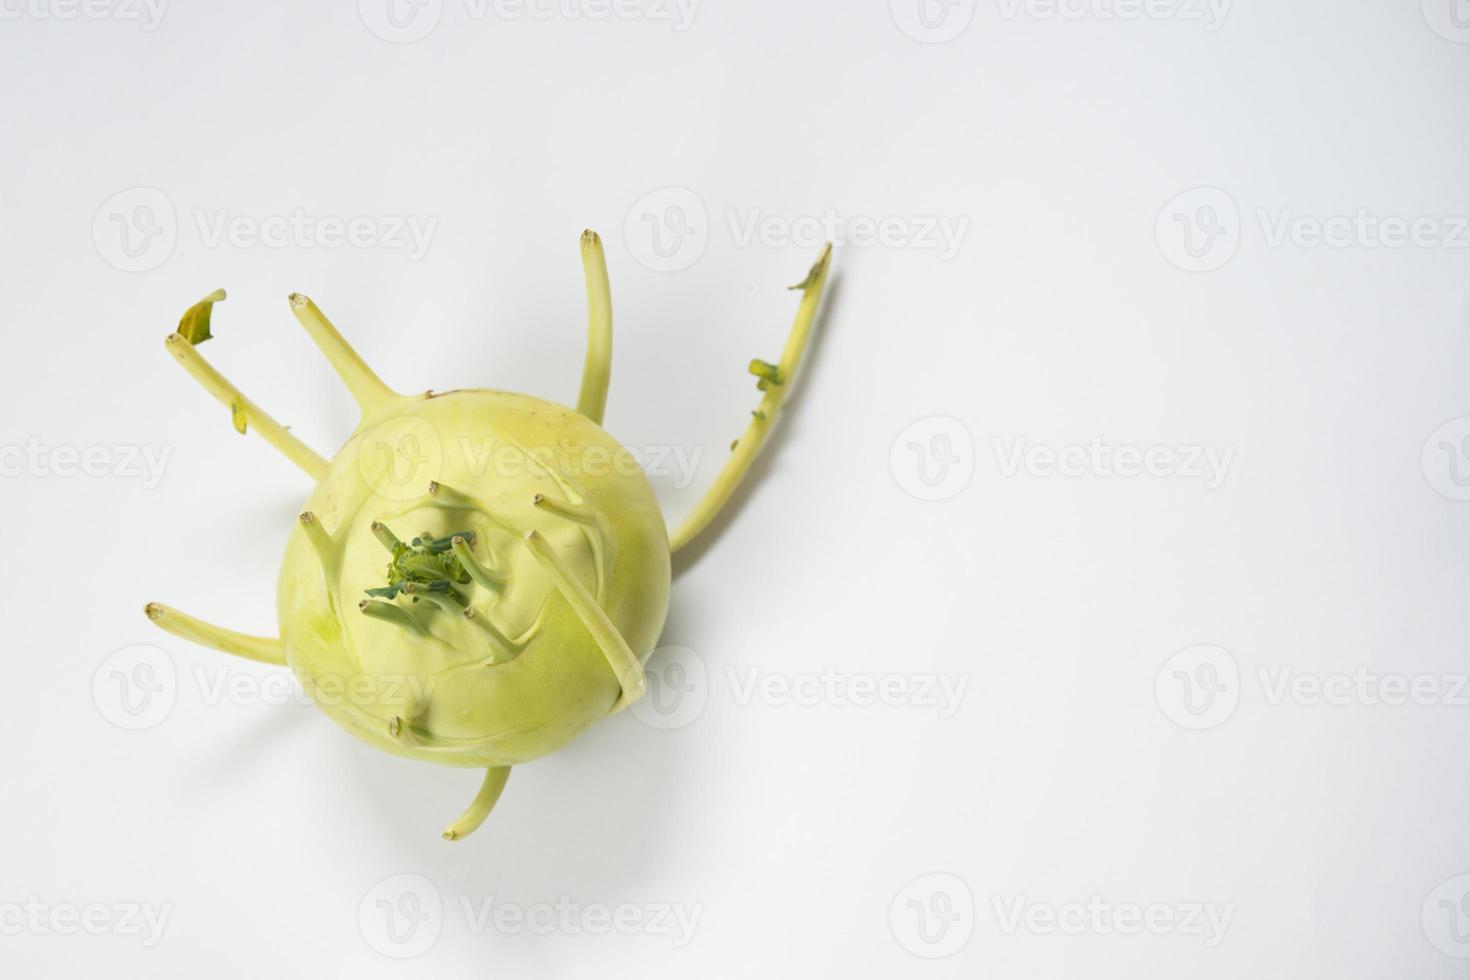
(763,419)
(367,388)
(624,662)
(265,650)
(241,407)
(597,369)
(484,802)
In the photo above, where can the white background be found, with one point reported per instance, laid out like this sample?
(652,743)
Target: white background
(1088,761)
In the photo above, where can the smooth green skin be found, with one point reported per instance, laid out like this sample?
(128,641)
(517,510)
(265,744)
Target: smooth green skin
(464,710)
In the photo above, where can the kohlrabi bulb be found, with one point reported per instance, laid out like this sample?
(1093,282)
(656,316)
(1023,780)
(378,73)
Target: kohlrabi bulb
(478,576)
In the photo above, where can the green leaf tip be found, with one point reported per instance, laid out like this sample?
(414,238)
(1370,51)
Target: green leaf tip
(194,324)
(426,565)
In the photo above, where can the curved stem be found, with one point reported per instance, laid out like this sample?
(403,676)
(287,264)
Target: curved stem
(484,802)
(390,612)
(620,657)
(367,388)
(597,370)
(243,408)
(776,382)
(265,650)
(483,576)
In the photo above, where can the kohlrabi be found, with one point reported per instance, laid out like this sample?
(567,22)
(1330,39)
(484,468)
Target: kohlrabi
(478,575)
